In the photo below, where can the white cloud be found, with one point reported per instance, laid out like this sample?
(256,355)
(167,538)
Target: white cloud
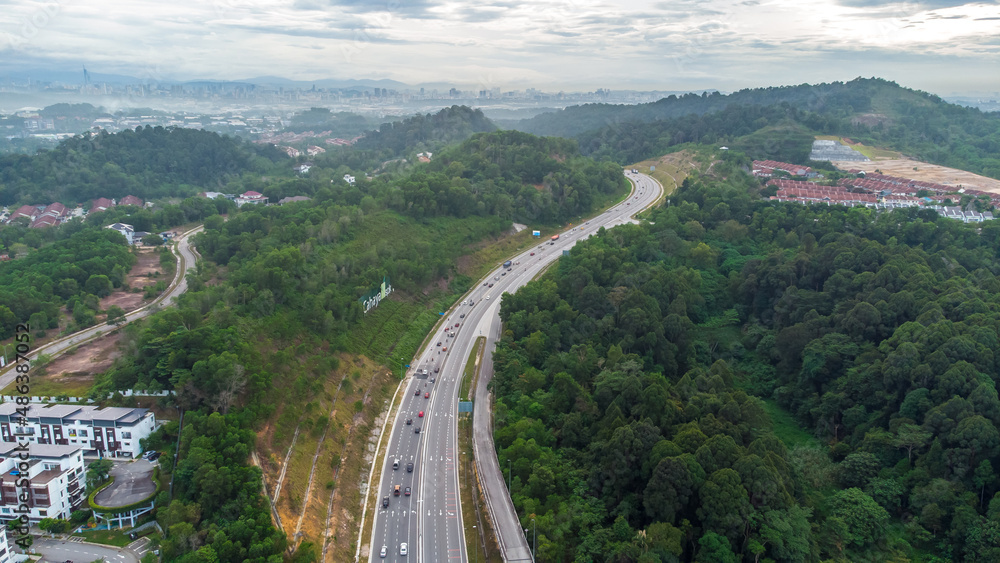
(550,43)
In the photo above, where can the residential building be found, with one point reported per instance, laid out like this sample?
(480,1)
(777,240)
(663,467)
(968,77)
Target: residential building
(6,555)
(250,197)
(349,179)
(125,229)
(131,200)
(101,204)
(29,211)
(107,432)
(55,481)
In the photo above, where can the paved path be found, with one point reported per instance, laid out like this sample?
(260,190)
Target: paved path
(133,483)
(186,259)
(57,551)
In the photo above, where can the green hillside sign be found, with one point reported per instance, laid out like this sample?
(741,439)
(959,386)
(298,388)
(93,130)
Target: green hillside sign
(375,296)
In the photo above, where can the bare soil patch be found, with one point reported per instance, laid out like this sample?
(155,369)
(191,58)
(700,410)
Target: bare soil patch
(89,359)
(146,271)
(917,170)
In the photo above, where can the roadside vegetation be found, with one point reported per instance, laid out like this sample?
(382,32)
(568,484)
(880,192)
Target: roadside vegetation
(626,379)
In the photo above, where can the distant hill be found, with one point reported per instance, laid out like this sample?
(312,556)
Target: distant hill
(147,162)
(874,111)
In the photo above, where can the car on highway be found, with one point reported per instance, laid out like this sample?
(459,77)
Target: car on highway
(462,316)
(402,549)
(407,492)
(504,274)
(438,343)
(385,501)
(417,392)
(427,395)
(395,464)
(444,348)
(416,430)
(456,325)
(409,467)
(496,277)
(532,253)
(436,370)
(420,414)
(471,303)
(487,297)
(384,552)
(395,490)
(491,285)
(409,421)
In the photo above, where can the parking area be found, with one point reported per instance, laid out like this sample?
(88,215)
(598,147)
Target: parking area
(133,483)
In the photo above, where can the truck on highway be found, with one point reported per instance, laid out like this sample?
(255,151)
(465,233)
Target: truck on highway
(507,264)
(555,237)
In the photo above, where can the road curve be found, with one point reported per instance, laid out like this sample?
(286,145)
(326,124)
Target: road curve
(186,259)
(429,521)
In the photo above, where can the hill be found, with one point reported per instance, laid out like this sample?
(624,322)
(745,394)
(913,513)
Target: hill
(874,111)
(149,162)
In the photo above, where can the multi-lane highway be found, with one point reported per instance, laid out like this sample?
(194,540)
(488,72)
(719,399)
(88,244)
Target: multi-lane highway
(429,520)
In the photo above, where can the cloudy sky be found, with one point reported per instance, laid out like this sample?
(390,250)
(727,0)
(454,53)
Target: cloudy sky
(942,46)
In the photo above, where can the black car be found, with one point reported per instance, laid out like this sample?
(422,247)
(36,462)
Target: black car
(436,370)
(409,421)
(409,468)
(416,430)
(385,502)
(418,392)
(462,316)
(154,457)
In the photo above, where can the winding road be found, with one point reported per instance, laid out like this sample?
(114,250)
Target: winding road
(186,258)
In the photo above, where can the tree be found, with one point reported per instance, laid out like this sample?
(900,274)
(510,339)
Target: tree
(99,284)
(116,316)
(714,548)
(725,506)
(152,239)
(98,472)
(911,437)
(864,518)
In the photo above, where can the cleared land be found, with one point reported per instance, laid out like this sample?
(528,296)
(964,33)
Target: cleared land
(671,169)
(916,170)
(872,153)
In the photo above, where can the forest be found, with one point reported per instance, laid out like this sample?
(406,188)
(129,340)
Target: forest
(918,124)
(635,386)
(149,162)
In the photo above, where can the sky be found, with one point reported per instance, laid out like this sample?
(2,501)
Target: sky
(941,46)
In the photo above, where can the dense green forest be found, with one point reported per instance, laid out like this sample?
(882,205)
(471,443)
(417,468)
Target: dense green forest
(874,111)
(405,138)
(627,385)
(72,273)
(339,124)
(149,162)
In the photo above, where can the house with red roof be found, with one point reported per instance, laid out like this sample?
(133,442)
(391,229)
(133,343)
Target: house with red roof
(131,200)
(29,211)
(250,197)
(101,204)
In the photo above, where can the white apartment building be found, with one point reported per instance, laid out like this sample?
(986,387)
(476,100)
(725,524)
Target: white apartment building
(107,432)
(52,476)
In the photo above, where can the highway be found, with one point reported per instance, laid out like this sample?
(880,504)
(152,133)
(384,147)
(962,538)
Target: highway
(185,262)
(429,521)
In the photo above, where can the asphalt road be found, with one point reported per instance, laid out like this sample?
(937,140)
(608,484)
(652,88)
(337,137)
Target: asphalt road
(186,262)
(430,520)
(59,551)
(133,483)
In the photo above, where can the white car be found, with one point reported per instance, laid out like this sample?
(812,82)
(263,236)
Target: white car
(487,297)
(384,552)
(402,549)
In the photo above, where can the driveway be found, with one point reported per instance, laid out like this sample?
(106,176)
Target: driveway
(133,483)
